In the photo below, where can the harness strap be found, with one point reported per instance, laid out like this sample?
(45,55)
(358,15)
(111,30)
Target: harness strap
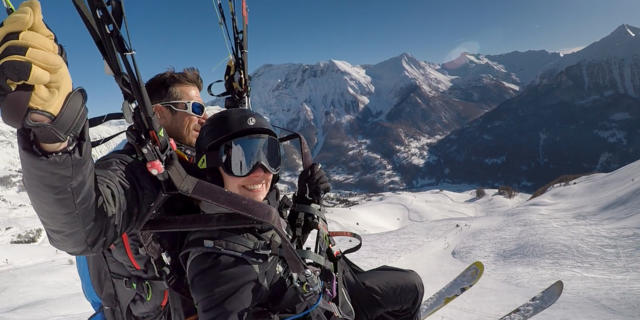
(175,305)
(127,247)
(226,250)
(316,258)
(303,213)
(96,121)
(96,143)
(162,265)
(193,222)
(349,234)
(311,209)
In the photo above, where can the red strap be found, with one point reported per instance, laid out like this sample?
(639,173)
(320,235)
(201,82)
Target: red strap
(166,299)
(127,247)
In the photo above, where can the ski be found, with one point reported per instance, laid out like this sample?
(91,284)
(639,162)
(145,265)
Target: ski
(540,302)
(465,280)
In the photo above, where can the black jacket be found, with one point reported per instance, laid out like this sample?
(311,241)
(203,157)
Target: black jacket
(250,279)
(96,210)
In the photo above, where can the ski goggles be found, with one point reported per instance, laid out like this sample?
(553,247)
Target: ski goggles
(193,108)
(240,156)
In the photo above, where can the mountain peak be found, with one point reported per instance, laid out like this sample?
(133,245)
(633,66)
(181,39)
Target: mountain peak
(622,43)
(404,58)
(405,55)
(625,30)
(467,60)
(457,62)
(401,62)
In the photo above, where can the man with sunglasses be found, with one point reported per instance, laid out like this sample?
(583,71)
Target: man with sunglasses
(96,209)
(122,275)
(178,106)
(182,119)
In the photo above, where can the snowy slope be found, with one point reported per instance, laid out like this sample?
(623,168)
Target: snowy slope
(586,233)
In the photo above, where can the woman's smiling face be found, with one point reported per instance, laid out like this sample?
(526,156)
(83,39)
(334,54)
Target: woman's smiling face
(254,186)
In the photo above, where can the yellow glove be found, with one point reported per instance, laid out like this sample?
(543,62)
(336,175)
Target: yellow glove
(29,18)
(34,77)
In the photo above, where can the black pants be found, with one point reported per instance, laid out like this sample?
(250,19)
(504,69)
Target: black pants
(384,292)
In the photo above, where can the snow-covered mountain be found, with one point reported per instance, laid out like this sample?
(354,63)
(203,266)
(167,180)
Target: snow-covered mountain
(584,232)
(612,62)
(523,68)
(379,127)
(477,78)
(370,125)
(581,119)
(516,69)
(526,66)
(470,66)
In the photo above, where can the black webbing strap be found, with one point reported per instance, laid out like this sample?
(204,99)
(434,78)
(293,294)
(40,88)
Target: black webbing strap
(194,222)
(90,24)
(316,258)
(95,121)
(260,212)
(314,210)
(95,143)
(104,21)
(297,227)
(175,305)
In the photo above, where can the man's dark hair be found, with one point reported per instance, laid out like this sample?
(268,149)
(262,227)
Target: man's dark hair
(162,86)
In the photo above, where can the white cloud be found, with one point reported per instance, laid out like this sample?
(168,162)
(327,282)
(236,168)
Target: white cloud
(467,46)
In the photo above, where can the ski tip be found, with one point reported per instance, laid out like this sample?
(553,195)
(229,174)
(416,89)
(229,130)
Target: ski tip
(480,266)
(538,303)
(559,285)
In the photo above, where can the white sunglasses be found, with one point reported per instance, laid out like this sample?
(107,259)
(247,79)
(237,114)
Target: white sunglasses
(193,108)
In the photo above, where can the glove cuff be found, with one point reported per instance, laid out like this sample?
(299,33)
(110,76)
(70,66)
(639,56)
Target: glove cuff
(68,123)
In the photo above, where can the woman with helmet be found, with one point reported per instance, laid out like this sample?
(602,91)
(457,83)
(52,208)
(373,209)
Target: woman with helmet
(232,273)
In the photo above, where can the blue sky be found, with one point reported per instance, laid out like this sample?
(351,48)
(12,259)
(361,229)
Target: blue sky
(186,33)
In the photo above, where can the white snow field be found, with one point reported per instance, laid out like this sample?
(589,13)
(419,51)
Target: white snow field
(586,233)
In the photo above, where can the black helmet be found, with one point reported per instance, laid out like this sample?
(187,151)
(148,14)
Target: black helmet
(241,130)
